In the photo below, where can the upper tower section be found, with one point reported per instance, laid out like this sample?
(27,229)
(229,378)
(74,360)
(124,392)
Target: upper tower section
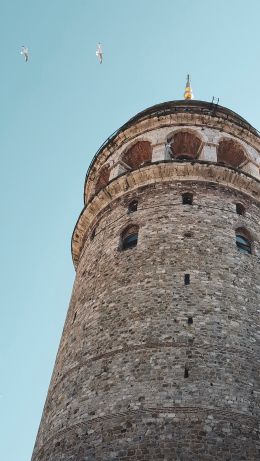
(175,140)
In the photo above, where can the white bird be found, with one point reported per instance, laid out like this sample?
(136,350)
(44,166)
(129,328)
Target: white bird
(99,53)
(25,53)
(168,148)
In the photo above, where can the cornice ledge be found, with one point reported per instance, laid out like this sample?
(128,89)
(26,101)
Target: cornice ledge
(159,172)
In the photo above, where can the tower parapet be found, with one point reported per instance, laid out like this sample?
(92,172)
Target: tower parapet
(159,355)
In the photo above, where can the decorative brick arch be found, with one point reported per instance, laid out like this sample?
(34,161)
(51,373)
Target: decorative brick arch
(138,154)
(231,153)
(185,144)
(103,178)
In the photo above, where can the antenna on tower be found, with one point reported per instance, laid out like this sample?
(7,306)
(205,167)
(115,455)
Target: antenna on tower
(214,104)
(215,100)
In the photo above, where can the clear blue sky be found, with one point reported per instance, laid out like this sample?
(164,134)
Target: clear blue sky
(55,113)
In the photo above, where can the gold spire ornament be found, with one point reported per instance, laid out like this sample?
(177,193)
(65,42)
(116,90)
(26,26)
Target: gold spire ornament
(188,94)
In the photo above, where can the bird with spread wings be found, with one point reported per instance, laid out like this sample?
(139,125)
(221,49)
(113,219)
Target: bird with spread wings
(25,53)
(99,53)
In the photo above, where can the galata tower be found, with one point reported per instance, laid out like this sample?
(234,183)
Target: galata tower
(160,353)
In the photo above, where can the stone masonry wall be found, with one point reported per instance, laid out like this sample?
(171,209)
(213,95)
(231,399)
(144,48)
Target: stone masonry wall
(120,389)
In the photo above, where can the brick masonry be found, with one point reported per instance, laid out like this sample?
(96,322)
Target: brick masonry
(135,378)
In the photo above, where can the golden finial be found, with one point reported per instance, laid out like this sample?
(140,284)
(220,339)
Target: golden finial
(188,90)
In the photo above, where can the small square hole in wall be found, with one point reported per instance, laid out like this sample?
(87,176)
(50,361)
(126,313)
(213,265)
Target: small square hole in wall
(132,207)
(187,198)
(190,320)
(186,279)
(240,209)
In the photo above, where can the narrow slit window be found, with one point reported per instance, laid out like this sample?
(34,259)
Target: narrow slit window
(187,198)
(186,372)
(186,279)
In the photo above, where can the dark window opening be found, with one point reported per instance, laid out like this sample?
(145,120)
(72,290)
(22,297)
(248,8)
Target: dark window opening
(240,209)
(187,198)
(188,234)
(190,320)
(74,318)
(186,372)
(132,207)
(186,279)
(243,244)
(130,241)
(129,237)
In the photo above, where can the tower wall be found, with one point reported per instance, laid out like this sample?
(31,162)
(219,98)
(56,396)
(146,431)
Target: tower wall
(148,367)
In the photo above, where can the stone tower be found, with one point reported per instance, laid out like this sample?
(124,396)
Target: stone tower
(160,353)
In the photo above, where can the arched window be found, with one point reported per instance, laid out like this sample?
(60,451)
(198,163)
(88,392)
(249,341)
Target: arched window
(231,153)
(243,241)
(240,209)
(187,198)
(139,154)
(103,179)
(132,207)
(185,145)
(129,237)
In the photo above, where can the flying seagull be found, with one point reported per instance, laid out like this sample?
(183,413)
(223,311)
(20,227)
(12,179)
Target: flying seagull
(25,53)
(99,53)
